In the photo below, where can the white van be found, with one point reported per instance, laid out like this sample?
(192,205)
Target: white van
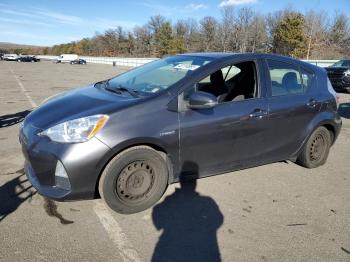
(10,57)
(66,58)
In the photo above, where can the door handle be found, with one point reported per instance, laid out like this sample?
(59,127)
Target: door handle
(312,103)
(258,113)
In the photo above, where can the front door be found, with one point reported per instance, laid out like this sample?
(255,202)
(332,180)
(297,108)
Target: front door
(230,135)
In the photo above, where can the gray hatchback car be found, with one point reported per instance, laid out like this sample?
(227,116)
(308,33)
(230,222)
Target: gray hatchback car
(193,115)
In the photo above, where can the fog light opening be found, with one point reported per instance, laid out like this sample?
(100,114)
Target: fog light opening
(61,177)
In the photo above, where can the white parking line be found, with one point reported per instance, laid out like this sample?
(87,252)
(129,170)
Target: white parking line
(116,234)
(24,91)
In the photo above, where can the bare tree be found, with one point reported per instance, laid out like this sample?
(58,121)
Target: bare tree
(181,29)
(193,39)
(316,32)
(242,25)
(237,30)
(339,31)
(155,23)
(258,39)
(226,28)
(208,32)
(143,39)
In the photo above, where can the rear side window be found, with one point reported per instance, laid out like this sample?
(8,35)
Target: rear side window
(285,78)
(307,78)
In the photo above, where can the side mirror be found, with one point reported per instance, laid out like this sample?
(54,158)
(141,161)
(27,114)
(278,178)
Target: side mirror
(200,100)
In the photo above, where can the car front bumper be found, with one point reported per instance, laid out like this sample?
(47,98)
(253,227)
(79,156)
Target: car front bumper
(82,162)
(52,191)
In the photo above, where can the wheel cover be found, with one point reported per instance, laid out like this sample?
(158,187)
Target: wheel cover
(318,148)
(135,182)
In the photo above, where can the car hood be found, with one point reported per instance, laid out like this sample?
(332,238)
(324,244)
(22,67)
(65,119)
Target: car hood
(77,103)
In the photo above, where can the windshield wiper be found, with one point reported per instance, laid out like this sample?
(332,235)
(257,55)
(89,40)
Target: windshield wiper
(104,82)
(116,91)
(130,91)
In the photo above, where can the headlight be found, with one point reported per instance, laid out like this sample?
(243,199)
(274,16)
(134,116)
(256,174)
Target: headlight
(347,72)
(77,130)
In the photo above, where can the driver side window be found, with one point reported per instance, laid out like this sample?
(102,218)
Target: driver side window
(231,83)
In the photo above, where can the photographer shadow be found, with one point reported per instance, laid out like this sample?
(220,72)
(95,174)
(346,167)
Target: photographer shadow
(13,194)
(13,119)
(189,222)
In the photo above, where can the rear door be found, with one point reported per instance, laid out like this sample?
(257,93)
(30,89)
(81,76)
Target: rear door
(291,106)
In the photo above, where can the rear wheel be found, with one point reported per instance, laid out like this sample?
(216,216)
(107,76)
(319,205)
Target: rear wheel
(315,152)
(134,180)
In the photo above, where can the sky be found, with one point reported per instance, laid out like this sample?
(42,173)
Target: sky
(48,22)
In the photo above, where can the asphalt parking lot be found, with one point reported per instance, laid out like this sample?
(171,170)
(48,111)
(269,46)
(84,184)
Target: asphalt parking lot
(276,212)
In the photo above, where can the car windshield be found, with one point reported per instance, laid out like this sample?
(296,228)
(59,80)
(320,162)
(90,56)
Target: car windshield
(158,75)
(342,63)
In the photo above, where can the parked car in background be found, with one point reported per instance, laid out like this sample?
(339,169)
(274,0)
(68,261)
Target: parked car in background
(78,61)
(185,116)
(36,59)
(66,58)
(10,57)
(339,75)
(28,59)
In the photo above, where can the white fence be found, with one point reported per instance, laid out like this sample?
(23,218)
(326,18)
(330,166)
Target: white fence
(321,63)
(133,62)
(119,61)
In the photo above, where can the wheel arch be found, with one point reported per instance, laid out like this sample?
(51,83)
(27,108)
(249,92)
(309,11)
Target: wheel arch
(331,130)
(151,143)
(326,119)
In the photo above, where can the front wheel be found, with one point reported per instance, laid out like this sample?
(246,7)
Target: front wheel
(315,152)
(134,180)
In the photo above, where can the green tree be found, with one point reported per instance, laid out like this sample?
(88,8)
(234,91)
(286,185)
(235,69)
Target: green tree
(178,46)
(82,46)
(45,51)
(289,36)
(164,38)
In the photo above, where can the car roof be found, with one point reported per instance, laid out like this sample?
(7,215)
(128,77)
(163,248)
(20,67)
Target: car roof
(225,55)
(219,55)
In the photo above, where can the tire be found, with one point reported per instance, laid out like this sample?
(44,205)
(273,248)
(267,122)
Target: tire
(315,151)
(134,180)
